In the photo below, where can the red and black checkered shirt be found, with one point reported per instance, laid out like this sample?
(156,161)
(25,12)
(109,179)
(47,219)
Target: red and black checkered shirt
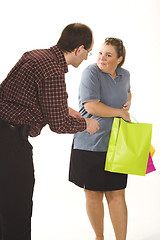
(34,93)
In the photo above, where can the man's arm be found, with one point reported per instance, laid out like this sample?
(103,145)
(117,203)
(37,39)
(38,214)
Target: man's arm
(55,109)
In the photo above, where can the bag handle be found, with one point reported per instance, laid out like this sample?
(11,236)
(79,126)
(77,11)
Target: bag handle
(135,119)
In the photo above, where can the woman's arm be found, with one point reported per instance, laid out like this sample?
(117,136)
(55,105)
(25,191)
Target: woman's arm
(101,110)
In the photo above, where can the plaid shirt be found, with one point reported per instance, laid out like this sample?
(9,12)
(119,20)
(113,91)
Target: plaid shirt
(34,93)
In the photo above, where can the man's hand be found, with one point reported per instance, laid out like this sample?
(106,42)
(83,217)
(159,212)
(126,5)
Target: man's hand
(92,125)
(74,113)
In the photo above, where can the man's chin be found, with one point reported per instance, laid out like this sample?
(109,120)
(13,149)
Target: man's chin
(76,65)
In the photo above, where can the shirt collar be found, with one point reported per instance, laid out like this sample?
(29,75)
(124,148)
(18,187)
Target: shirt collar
(60,56)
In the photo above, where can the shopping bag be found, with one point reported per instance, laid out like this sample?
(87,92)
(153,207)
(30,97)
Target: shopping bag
(129,147)
(150,165)
(152,150)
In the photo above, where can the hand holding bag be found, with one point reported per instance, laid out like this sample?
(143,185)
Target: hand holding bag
(129,147)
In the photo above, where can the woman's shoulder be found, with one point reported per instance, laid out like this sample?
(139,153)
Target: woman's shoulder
(91,68)
(90,74)
(122,71)
(91,71)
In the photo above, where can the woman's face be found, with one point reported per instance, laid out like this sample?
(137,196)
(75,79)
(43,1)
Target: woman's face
(107,60)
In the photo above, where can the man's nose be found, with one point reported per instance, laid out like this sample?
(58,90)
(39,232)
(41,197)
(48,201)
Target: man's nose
(86,57)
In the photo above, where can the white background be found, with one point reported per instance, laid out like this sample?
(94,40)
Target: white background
(59,206)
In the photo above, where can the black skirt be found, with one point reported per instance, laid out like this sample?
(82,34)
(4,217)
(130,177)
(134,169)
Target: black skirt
(87,171)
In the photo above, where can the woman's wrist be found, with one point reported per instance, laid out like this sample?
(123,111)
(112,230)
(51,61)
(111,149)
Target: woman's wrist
(119,112)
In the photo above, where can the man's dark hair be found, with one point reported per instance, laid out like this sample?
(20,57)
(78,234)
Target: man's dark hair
(75,35)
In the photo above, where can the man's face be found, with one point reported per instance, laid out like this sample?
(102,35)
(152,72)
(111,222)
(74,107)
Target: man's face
(82,54)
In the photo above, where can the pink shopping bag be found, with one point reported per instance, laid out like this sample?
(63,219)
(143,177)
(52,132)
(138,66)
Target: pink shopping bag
(150,165)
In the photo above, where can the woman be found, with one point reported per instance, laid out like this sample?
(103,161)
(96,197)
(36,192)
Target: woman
(104,94)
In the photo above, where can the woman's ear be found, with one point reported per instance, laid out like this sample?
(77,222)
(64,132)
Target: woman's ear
(120,59)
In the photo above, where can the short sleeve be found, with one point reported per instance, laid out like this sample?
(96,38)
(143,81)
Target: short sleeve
(90,85)
(129,86)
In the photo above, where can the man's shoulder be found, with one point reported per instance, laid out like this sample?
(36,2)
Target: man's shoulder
(40,55)
(44,60)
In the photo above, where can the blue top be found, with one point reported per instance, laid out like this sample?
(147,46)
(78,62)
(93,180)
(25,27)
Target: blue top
(97,85)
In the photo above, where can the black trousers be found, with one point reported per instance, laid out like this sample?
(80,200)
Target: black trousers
(16,184)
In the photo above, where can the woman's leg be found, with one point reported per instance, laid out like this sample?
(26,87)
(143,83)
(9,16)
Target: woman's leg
(118,212)
(95,211)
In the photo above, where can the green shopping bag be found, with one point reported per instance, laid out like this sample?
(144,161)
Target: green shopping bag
(129,147)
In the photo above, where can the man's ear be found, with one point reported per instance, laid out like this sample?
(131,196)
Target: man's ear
(78,50)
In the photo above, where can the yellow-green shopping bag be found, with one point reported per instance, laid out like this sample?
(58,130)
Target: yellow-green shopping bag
(129,147)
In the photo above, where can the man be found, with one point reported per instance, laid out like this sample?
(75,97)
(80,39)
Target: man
(33,95)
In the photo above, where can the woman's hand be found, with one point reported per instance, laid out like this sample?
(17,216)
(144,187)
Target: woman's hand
(125,115)
(127,105)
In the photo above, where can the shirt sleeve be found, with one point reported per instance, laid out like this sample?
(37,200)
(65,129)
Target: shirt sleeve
(129,85)
(55,106)
(89,87)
